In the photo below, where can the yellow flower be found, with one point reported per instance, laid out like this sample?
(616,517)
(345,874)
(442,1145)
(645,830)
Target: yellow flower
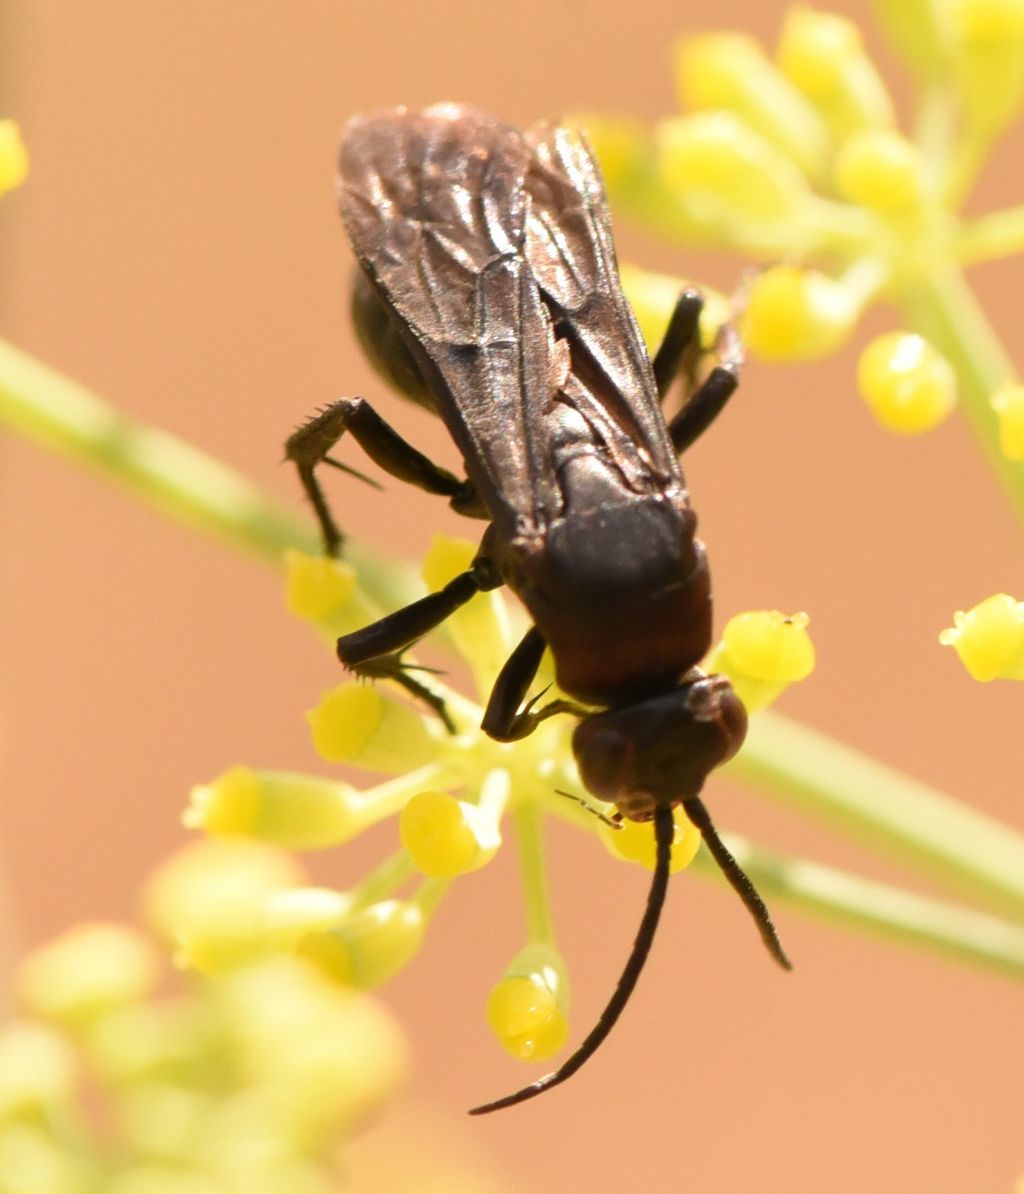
(909,386)
(13,157)
(989,638)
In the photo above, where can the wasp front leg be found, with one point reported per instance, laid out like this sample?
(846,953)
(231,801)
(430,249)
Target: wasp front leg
(506,719)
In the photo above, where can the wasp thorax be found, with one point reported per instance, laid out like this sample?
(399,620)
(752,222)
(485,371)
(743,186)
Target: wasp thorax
(660,751)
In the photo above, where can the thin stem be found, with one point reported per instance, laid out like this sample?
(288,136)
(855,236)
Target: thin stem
(997,234)
(429,895)
(384,881)
(865,799)
(943,308)
(65,417)
(387,799)
(539,926)
(880,910)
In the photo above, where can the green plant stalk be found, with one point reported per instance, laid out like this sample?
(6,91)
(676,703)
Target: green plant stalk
(943,308)
(879,909)
(888,811)
(539,927)
(191,487)
(996,234)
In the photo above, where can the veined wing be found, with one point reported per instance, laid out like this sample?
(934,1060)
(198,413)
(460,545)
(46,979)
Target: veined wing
(435,205)
(572,256)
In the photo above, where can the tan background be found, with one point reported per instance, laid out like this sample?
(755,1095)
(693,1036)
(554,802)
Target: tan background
(177,250)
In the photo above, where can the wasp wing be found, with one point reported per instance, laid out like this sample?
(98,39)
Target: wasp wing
(436,208)
(572,256)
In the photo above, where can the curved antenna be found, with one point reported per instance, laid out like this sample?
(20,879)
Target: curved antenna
(738,880)
(664,831)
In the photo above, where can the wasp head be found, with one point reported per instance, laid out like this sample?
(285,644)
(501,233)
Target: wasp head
(660,751)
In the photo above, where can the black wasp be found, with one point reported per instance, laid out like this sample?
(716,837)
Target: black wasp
(489,293)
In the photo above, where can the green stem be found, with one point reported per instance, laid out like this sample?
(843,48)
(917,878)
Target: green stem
(429,895)
(539,927)
(998,234)
(863,798)
(879,909)
(65,417)
(943,308)
(384,881)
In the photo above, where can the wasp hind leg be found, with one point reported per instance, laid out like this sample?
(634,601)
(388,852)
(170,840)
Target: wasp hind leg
(310,445)
(680,355)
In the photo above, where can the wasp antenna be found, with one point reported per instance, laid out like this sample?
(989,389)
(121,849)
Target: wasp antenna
(664,831)
(592,809)
(696,810)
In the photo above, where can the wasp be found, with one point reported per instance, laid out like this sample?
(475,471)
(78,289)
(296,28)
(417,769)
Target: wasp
(488,292)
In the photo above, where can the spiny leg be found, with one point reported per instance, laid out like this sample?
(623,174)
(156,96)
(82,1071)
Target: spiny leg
(375,650)
(664,832)
(309,446)
(696,810)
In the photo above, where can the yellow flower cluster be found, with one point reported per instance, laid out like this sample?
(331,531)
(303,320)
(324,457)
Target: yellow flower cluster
(794,158)
(449,795)
(246,1086)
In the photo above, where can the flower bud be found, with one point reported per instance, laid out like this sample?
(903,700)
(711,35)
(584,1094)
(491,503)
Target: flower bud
(989,638)
(633,841)
(987,44)
(1008,403)
(823,56)
(918,30)
(13,157)
(883,171)
(299,812)
(763,652)
(527,1008)
(324,591)
(730,71)
(170,1040)
(37,1069)
(722,164)
(908,384)
(318,1058)
(797,314)
(354,723)
(210,900)
(86,972)
(370,946)
(448,837)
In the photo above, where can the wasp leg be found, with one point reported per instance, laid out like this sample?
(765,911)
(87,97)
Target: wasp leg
(394,668)
(375,651)
(502,719)
(310,444)
(680,354)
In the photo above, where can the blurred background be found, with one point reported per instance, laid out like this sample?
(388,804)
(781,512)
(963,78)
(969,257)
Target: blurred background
(176,249)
